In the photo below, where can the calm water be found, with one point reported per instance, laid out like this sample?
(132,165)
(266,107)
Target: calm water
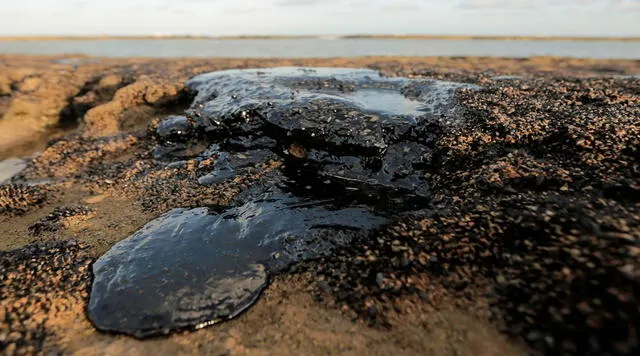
(328,48)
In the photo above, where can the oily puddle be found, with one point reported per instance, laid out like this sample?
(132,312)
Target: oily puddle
(191,268)
(356,147)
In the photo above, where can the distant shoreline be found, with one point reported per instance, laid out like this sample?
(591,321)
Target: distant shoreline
(327,37)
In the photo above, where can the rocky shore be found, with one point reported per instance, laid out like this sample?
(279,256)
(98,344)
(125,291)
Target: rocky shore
(529,242)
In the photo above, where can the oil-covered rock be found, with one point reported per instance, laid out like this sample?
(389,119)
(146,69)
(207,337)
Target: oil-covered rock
(347,124)
(355,146)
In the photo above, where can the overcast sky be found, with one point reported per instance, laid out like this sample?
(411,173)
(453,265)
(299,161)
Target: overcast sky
(299,17)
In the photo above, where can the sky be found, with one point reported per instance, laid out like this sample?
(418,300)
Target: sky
(323,17)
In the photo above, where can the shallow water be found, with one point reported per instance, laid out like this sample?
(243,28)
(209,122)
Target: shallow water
(306,48)
(10,167)
(355,148)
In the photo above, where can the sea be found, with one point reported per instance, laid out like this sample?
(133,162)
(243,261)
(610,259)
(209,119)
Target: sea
(329,47)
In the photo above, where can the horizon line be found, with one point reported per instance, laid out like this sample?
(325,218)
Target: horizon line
(316,36)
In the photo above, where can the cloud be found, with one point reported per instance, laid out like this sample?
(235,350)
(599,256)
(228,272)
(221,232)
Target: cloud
(485,4)
(358,6)
(229,17)
(626,5)
(405,6)
(305,2)
(528,4)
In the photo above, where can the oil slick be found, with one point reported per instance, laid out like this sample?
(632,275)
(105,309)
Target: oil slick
(194,267)
(356,147)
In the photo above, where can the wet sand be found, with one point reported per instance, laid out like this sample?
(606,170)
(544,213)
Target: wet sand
(531,243)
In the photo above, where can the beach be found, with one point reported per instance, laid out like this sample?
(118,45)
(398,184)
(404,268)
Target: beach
(529,241)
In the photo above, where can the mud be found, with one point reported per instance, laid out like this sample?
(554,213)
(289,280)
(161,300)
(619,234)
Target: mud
(531,227)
